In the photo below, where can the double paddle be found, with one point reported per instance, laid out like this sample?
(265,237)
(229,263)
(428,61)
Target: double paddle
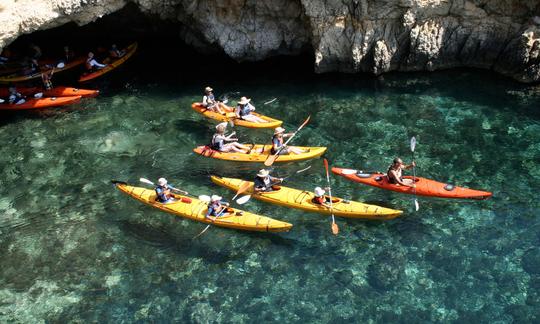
(272,158)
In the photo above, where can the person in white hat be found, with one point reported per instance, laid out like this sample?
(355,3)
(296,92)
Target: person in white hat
(216,207)
(277,143)
(264,182)
(219,139)
(320,198)
(163,191)
(209,101)
(244,111)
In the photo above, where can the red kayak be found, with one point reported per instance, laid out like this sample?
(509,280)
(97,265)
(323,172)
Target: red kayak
(424,187)
(54,92)
(40,103)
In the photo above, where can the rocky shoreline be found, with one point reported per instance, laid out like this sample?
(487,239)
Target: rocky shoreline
(344,36)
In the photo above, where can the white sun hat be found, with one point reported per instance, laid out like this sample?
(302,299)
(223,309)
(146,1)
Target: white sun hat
(215,198)
(319,192)
(221,125)
(244,101)
(279,130)
(263,173)
(162,181)
(208,89)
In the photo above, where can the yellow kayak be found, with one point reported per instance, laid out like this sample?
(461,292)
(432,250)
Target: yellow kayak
(195,209)
(256,156)
(231,116)
(290,197)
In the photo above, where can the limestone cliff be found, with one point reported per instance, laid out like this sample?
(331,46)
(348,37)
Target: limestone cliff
(345,35)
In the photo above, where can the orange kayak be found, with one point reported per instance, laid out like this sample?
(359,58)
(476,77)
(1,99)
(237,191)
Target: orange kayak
(130,50)
(54,92)
(270,122)
(44,69)
(40,103)
(424,187)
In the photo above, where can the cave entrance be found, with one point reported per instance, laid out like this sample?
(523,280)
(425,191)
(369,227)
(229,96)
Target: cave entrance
(162,56)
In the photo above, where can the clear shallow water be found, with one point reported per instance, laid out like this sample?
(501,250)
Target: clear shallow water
(72,247)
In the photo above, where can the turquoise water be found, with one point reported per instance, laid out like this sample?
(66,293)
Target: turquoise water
(74,248)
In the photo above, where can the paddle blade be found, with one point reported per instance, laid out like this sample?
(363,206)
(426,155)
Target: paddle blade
(349,171)
(270,160)
(204,198)
(243,200)
(144,180)
(413,143)
(416,205)
(270,101)
(335,229)
(243,188)
(304,123)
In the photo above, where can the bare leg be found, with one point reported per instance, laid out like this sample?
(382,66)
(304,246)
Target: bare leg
(295,150)
(224,107)
(254,119)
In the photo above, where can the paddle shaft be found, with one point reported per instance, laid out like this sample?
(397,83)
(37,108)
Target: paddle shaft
(272,158)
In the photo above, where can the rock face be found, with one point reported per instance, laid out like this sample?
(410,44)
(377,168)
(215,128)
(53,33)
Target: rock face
(374,36)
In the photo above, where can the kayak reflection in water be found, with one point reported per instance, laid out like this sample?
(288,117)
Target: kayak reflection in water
(320,198)
(163,191)
(244,110)
(216,207)
(395,170)
(219,139)
(277,143)
(264,182)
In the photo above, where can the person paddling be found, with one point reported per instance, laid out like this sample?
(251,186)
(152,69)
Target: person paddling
(320,197)
(277,143)
(264,182)
(46,77)
(163,191)
(209,101)
(219,139)
(92,64)
(216,207)
(395,170)
(115,53)
(244,111)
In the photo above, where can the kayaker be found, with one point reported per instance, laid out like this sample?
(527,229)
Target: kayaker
(219,139)
(320,198)
(244,111)
(395,170)
(277,142)
(115,53)
(47,79)
(216,207)
(15,97)
(92,64)
(209,101)
(264,182)
(163,191)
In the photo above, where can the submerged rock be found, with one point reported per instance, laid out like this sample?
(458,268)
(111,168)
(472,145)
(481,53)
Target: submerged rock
(347,36)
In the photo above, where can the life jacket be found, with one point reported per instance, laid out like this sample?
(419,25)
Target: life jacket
(160,194)
(280,143)
(391,179)
(217,144)
(244,110)
(319,200)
